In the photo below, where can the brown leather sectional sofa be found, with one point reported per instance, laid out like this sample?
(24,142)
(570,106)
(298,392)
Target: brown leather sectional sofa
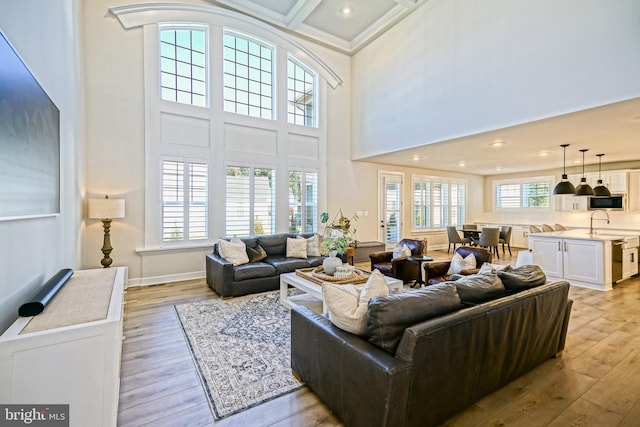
(440,365)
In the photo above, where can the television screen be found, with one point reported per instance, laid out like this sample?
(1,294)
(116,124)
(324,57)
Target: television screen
(29,142)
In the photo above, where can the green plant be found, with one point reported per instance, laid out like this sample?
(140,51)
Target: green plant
(339,234)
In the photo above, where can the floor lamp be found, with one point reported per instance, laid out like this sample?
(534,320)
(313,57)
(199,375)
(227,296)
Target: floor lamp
(106,210)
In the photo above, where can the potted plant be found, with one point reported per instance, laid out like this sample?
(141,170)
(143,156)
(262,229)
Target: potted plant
(338,237)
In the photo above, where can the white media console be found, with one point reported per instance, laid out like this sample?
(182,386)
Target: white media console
(70,353)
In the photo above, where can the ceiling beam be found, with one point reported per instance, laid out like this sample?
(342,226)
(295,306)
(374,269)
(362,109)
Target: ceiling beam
(409,4)
(300,12)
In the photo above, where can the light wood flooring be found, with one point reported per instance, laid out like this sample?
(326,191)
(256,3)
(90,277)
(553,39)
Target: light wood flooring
(596,382)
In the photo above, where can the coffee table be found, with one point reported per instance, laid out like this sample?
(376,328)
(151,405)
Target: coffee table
(315,291)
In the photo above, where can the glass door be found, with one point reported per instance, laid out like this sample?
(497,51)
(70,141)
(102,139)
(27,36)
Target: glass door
(390,209)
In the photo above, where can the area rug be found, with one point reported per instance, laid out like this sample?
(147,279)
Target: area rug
(241,348)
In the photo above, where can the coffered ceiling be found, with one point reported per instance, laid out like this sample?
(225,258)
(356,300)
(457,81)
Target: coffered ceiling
(345,25)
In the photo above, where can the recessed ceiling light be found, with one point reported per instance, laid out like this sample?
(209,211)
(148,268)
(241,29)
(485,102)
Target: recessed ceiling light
(497,143)
(346,10)
(498,168)
(416,157)
(461,164)
(543,153)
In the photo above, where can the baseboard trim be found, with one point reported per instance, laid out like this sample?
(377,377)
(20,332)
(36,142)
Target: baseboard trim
(157,280)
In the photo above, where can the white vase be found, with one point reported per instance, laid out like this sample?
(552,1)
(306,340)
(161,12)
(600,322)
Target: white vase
(331,263)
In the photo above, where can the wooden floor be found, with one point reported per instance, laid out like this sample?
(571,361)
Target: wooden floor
(595,383)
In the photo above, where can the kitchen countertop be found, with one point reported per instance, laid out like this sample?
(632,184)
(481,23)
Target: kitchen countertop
(598,235)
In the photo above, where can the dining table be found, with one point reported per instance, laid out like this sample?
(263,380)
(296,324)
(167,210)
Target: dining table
(472,233)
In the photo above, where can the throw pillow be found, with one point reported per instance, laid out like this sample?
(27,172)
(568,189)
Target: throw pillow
(388,317)
(400,251)
(296,248)
(458,263)
(478,288)
(347,304)
(523,277)
(313,245)
(234,251)
(256,254)
(487,267)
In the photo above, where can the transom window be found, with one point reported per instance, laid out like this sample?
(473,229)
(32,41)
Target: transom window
(532,193)
(438,202)
(183,67)
(248,76)
(301,85)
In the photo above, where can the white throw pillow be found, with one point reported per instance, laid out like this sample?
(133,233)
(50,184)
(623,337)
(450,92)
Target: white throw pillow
(487,268)
(296,248)
(313,245)
(234,251)
(458,263)
(401,251)
(347,304)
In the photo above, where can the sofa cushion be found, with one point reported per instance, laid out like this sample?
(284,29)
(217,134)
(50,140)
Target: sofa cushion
(313,245)
(234,251)
(315,261)
(296,248)
(523,277)
(479,288)
(388,317)
(347,304)
(256,254)
(487,267)
(253,270)
(459,264)
(274,244)
(286,265)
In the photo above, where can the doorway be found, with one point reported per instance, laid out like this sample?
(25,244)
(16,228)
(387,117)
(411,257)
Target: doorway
(390,210)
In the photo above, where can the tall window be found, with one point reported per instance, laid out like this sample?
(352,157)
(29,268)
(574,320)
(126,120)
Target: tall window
(183,67)
(250,201)
(438,202)
(301,85)
(303,201)
(533,193)
(248,76)
(184,201)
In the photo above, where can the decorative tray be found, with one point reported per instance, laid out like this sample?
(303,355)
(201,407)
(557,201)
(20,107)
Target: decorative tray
(317,276)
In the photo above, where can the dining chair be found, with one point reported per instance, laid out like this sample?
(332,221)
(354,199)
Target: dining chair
(547,227)
(505,237)
(454,238)
(559,227)
(534,229)
(490,238)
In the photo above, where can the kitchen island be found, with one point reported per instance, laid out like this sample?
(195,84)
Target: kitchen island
(583,258)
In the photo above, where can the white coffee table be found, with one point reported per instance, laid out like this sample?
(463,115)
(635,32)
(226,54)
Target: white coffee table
(314,290)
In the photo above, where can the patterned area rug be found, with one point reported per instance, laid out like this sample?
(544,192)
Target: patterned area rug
(241,348)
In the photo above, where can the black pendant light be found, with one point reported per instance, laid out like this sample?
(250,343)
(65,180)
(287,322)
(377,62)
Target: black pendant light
(584,189)
(564,186)
(600,190)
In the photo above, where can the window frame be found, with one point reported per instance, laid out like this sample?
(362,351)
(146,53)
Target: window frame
(304,204)
(446,207)
(314,98)
(520,182)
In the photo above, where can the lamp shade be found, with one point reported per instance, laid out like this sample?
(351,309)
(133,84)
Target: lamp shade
(584,189)
(564,187)
(600,190)
(106,208)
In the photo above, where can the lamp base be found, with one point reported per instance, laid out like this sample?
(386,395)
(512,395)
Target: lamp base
(106,244)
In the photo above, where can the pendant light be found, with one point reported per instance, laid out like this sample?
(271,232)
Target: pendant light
(564,186)
(584,189)
(600,190)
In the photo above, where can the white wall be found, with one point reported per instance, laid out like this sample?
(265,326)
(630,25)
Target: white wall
(46,36)
(455,68)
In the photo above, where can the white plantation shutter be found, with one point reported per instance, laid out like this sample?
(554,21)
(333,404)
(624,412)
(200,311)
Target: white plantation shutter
(184,196)
(250,201)
(438,202)
(303,201)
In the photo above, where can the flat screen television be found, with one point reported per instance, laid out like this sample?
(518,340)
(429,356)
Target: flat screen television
(29,142)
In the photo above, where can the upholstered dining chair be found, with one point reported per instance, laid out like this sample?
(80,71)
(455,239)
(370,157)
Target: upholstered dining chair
(490,238)
(534,229)
(547,227)
(454,238)
(559,227)
(505,237)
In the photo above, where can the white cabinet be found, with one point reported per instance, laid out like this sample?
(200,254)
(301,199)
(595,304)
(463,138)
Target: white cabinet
(520,237)
(569,203)
(70,353)
(615,181)
(575,260)
(633,198)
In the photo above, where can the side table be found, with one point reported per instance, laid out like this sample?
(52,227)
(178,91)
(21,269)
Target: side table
(419,259)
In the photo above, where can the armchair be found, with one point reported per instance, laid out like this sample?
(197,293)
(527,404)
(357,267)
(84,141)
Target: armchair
(399,268)
(436,272)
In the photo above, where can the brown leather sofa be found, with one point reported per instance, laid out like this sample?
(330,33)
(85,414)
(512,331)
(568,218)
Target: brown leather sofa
(440,365)
(436,272)
(401,268)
